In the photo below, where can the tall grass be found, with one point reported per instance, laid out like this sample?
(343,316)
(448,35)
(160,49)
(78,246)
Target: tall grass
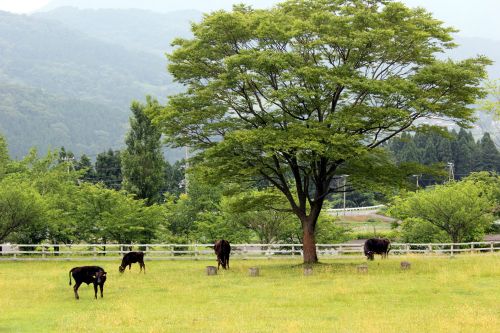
(436,295)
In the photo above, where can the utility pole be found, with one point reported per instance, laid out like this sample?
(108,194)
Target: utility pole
(345,182)
(451,173)
(417,176)
(186,182)
(70,161)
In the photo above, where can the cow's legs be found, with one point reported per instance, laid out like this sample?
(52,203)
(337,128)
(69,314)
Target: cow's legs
(95,290)
(75,288)
(143,266)
(129,266)
(101,286)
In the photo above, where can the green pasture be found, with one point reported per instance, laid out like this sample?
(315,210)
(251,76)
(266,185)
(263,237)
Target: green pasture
(438,294)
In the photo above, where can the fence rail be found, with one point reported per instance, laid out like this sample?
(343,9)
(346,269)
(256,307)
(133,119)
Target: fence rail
(205,251)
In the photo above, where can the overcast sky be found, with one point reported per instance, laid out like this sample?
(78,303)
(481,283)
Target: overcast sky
(479,18)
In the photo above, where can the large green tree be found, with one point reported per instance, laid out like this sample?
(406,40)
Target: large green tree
(143,166)
(297,94)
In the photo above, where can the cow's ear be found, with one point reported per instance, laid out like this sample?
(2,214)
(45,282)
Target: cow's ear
(93,276)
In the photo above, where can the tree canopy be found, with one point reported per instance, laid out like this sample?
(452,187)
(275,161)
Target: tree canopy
(301,93)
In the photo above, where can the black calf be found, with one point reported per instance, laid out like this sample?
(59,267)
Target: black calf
(88,274)
(131,258)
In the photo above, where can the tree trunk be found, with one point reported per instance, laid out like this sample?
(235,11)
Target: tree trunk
(309,241)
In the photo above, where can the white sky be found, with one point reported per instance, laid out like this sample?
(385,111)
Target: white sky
(479,18)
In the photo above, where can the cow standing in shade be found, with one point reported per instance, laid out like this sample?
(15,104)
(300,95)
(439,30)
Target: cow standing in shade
(222,250)
(88,274)
(378,246)
(131,258)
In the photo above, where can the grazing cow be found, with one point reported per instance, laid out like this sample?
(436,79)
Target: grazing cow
(222,250)
(131,258)
(88,274)
(378,246)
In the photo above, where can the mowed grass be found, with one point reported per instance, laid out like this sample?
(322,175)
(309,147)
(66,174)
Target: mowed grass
(438,294)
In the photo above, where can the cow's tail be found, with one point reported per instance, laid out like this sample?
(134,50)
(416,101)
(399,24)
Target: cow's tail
(70,276)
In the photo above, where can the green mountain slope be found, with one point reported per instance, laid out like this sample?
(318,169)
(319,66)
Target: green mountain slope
(30,117)
(59,86)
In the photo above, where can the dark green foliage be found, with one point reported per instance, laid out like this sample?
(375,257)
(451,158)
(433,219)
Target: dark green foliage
(108,169)
(489,156)
(86,164)
(459,148)
(143,166)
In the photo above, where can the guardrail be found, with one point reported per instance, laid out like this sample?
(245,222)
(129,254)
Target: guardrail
(239,251)
(353,209)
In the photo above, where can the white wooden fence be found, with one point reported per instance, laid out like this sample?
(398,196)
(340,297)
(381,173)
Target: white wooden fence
(238,251)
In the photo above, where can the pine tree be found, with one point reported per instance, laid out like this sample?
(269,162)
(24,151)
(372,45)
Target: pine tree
(489,157)
(143,166)
(86,163)
(108,169)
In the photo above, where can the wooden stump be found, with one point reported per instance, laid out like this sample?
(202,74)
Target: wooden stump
(308,271)
(253,271)
(405,265)
(363,268)
(211,270)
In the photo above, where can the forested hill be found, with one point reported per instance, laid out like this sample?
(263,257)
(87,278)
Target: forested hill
(135,29)
(61,86)
(31,117)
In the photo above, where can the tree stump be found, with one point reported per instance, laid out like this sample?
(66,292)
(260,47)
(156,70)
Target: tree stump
(253,271)
(211,270)
(308,271)
(363,268)
(405,265)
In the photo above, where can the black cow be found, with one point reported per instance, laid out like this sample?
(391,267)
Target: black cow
(378,246)
(88,274)
(131,258)
(222,250)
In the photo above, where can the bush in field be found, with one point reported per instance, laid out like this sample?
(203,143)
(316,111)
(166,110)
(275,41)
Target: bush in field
(416,230)
(461,210)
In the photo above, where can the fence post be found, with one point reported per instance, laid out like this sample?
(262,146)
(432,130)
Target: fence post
(43,251)
(429,247)
(471,247)
(407,248)
(452,249)
(340,250)
(293,250)
(95,252)
(491,246)
(195,251)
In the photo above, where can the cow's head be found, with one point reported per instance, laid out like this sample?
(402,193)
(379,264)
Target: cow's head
(100,277)
(121,269)
(369,255)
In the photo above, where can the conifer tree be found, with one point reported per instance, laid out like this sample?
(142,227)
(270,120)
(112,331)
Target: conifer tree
(143,166)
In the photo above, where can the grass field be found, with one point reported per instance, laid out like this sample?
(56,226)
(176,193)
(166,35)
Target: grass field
(438,294)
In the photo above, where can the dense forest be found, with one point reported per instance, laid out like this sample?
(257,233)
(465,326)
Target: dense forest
(466,154)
